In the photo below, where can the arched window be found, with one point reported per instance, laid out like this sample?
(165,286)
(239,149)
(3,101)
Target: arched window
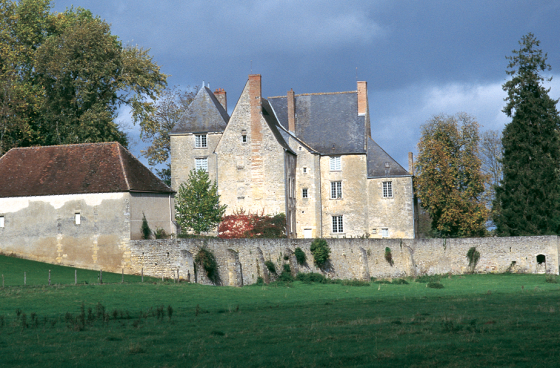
(541,258)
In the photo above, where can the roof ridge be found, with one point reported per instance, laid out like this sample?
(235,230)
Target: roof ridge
(63,145)
(122,167)
(316,94)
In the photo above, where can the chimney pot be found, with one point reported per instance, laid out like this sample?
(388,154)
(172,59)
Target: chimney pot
(291,111)
(221,96)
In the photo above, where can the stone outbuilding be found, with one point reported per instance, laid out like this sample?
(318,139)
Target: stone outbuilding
(310,156)
(78,204)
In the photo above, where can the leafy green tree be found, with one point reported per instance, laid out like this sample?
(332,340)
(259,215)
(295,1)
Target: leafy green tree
(321,252)
(529,194)
(197,204)
(155,129)
(449,182)
(63,76)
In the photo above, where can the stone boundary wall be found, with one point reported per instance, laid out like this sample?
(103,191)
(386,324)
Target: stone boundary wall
(241,261)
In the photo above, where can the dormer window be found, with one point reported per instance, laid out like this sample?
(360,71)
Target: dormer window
(335,163)
(200,141)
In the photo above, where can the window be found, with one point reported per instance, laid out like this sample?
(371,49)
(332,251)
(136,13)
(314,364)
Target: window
(305,170)
(304,193)
(201,164)
(1,221)
(335,163)
(337,226)
(77,218)
(200,141)
(385,232)
(336,189)
(387,189)
(244,138)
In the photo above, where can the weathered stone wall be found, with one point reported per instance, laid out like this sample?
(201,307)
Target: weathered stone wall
(44,229)
(308,176)
(241,261)
(396,214)
(184,153)
(252,174)
(158,209)
(353,205)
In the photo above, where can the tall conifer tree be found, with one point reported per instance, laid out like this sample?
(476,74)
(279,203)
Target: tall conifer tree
(528,198)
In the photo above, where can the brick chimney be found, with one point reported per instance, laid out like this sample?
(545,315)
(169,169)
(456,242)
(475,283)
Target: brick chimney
(411,163)
(291,111)
(221,97)
(362,98)
(256,106)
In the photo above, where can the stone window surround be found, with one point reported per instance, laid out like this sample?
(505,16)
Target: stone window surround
(336,190)
(305,193)
(200,140)
(337,224)
(387,189)
(335,163)
(201,163)
(384,232)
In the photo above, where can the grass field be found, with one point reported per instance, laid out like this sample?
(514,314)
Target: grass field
(475,320)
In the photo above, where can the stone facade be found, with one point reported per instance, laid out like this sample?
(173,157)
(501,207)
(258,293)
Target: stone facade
(275,156)
(241,261)
(78,205)
(84,230)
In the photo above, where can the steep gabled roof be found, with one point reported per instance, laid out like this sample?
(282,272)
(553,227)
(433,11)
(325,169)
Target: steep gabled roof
(75,169)
(204,114)
(380,164)
(274,126)
(328,122)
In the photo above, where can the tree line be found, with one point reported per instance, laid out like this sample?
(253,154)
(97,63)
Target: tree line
(507,182)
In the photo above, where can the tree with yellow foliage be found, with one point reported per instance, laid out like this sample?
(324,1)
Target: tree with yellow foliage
(449,181)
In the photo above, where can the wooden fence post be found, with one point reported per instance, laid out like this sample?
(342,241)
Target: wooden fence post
(2,281)
(49,277)
(24,278)
(122,279)
(142,272)
(75,277)
(100,276)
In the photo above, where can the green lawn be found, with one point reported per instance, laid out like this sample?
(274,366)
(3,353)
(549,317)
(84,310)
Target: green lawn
(475,320)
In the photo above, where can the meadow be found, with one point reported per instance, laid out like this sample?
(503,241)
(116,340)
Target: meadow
(474,320)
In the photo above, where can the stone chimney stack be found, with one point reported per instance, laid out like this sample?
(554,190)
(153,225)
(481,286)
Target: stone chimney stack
(411,163)
(221,97)
(291,111)
(362,98)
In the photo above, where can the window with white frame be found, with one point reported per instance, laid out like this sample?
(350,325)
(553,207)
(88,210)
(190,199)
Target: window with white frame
(385,232)
(304,193)
(337,224)
(200,141)
(77,218)
(1,221)
(336,189)
(201,163)
(387,189)
(335,163)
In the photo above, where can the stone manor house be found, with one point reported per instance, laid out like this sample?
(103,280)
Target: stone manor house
(310,156)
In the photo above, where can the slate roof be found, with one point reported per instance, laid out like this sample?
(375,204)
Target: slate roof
(204,114)
(327,122)
(274,126)
(75,169)
(380,164)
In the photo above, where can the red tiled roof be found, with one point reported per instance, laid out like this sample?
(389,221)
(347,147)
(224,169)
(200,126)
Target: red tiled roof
(75,169)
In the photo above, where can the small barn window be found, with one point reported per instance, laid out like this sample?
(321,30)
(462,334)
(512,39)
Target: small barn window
(1,221)
(77,218)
